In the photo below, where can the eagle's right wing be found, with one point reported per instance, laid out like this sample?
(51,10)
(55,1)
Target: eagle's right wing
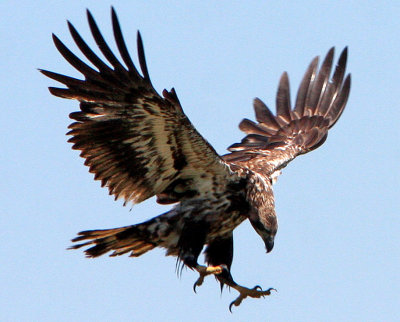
(136,142)
(277,139)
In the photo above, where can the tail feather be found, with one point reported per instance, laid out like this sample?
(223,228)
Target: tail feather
(134,239)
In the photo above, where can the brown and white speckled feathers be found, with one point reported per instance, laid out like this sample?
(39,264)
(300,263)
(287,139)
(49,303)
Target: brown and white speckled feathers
(277,139)
(140,144)
(136,142)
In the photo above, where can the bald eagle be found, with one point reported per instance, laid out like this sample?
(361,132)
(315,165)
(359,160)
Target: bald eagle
(140,144)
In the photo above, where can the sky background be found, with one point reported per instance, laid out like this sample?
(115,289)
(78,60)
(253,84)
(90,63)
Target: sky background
(336,255)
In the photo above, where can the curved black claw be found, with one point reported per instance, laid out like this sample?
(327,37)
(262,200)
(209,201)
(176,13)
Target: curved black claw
(258,288)
(199,282)
(230,306)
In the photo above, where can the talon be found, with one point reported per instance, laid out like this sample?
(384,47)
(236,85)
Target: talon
(268,292)
(230,306)
(235,303)
(199,282)
(257,288)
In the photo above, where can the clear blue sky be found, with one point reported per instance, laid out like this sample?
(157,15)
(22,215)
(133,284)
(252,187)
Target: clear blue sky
(336,256)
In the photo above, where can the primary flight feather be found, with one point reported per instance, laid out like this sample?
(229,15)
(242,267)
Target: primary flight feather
(140,144)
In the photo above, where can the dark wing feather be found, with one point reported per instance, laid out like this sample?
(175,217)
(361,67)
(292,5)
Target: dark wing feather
(136,142)
(277,139)
(283,100)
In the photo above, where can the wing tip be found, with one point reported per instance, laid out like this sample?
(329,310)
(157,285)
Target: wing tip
(89,14)
(331,51)
(114,16)
(284,78)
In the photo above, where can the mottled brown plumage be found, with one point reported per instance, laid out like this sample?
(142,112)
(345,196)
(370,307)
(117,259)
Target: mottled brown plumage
(140,144)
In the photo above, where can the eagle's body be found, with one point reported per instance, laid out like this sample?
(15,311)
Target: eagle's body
(140,145)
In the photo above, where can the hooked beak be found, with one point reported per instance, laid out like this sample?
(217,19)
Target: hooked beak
(269,244)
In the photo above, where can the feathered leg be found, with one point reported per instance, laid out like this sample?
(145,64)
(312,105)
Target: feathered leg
(191,242)
(219,256)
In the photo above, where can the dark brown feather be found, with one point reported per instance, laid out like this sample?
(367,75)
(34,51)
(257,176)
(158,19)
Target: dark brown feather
(319,85)
(101,43)
(283,106)
(308,78)
(264,116)
(123,50)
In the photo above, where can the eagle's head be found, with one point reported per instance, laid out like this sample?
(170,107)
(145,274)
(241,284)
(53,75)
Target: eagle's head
(266,227)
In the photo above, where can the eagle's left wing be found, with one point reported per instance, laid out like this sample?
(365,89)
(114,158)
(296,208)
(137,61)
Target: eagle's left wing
(136,142)
(277,139)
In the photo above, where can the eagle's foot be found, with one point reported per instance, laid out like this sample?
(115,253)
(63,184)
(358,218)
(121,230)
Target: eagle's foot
(255,292)
(207,270)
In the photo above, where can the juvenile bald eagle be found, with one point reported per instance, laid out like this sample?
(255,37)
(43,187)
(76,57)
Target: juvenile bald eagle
(140,144)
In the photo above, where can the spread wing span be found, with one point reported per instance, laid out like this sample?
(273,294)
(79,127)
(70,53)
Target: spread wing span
(277,139)
(140,144)
(136,142)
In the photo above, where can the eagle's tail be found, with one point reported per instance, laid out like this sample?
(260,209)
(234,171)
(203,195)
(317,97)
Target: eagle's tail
(136,239)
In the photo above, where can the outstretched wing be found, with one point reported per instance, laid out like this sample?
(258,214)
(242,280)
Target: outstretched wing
(277,139)
(136,142)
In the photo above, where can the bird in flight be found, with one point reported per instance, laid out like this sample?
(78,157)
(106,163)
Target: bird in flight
(140,144)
